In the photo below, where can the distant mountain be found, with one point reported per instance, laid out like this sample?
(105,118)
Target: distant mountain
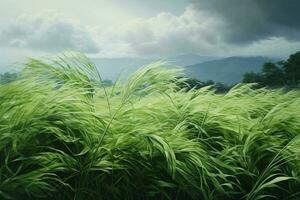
(189,59)
(227,70)
(111,68)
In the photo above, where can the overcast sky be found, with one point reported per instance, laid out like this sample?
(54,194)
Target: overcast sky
(138,28)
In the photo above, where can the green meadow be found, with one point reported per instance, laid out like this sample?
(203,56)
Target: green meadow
(64,135)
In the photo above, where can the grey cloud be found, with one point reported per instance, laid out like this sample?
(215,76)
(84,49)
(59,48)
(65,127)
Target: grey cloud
(214,27)
(168,34)
(252,20)
(209,27)
(47,34)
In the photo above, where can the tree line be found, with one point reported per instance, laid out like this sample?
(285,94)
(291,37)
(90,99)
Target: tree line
(192,83)
(284,73)
(7,77)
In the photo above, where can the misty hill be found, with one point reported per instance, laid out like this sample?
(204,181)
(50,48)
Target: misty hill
(227,70)
(110,68)
(188,59)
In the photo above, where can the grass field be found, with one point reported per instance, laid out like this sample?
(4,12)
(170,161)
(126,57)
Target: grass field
(65,136)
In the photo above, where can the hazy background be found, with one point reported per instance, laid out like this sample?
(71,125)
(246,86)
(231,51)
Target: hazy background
(120,35)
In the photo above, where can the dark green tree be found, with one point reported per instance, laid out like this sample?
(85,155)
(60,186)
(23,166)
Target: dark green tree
(209,82)
(272,75)
(252,77)
(222,88)
(292,69)
(192,83)
(7,77)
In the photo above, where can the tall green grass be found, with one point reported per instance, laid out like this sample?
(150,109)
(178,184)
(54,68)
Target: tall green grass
(64,135)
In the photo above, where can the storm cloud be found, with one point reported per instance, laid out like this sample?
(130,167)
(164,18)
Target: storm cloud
(47,32)
(168,34)
(206,27)
(246,21)
(216,27)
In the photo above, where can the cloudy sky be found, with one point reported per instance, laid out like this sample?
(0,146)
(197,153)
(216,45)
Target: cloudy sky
(137,28)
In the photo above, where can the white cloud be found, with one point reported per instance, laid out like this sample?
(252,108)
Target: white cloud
(47,32)
(193,31)
(166,34)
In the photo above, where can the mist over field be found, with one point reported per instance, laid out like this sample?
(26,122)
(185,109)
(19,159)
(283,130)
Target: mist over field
(175,99)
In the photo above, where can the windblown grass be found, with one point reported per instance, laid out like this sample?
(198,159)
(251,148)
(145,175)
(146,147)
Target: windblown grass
(63,135)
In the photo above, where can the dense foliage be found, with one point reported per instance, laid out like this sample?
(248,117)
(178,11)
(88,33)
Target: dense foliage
(192,83)
(283,73)
(63,135)
(7,77)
